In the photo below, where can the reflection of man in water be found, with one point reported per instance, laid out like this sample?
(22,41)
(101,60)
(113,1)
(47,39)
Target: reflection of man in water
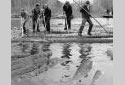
(86,65)
(35,49)
(84,50)
(66,51)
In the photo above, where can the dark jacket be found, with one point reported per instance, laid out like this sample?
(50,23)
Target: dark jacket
(47,13)
(84,13)
(67,10)
(35,13)
(24,14)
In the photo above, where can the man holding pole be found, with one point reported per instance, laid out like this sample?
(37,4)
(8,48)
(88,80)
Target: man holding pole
(85,11)
(67,8)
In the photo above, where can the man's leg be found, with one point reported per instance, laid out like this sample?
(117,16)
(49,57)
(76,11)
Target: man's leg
(38,30)
(82,26)
(69,22)
(48,25)
(34,22)
(90,26)
(43,23)
(65,24)
(24,28)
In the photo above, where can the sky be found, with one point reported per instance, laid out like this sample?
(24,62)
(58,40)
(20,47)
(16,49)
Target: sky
(72,0)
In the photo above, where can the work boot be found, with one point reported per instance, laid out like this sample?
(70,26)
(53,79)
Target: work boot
(89,33)
(24,30)
(38,30)
(33,31)
(65,28)
(80,34)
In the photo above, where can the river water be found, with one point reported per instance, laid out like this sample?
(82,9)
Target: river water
(76,64)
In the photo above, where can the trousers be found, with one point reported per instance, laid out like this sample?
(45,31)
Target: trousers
(35,23)
(68,22)
(84,20)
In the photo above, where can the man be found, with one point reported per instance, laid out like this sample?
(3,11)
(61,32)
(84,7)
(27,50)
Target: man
(67,8)
(47,17)
(24,19)
(85,11)
(35,17)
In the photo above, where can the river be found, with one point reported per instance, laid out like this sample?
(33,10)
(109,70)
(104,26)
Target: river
(75,64)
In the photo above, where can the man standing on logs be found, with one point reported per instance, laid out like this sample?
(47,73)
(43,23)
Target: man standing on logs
(85,11)
(36,17)
(67,8)
(47,17)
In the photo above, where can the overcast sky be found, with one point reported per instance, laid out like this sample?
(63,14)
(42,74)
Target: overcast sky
(72,0)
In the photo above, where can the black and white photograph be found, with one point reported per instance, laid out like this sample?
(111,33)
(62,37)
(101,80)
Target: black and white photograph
(62,42)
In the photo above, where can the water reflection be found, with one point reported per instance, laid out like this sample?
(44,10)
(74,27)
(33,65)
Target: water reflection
(35,49)
(85,64)
(45,47)
(71,61)
(84,50)
(66,51)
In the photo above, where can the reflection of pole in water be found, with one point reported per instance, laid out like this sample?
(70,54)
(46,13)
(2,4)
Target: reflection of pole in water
(98,73)
(83,70)
(66,51)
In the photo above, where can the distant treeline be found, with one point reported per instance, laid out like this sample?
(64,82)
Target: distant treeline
(98,7)
(16,5)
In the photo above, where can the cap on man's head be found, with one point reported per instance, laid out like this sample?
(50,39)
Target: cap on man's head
(87,2)
(37,4)
(22,9)
(67,2)
(45,4)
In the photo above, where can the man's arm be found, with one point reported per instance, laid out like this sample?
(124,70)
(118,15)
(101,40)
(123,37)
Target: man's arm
(71,9)
(50,13)
(64,9)
(81,9)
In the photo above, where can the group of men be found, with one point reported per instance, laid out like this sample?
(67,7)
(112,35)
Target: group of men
(45,15)
(38,14)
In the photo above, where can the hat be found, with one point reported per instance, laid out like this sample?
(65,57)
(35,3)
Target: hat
(37,4)
(22,9)
(87,2)
(67,2)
